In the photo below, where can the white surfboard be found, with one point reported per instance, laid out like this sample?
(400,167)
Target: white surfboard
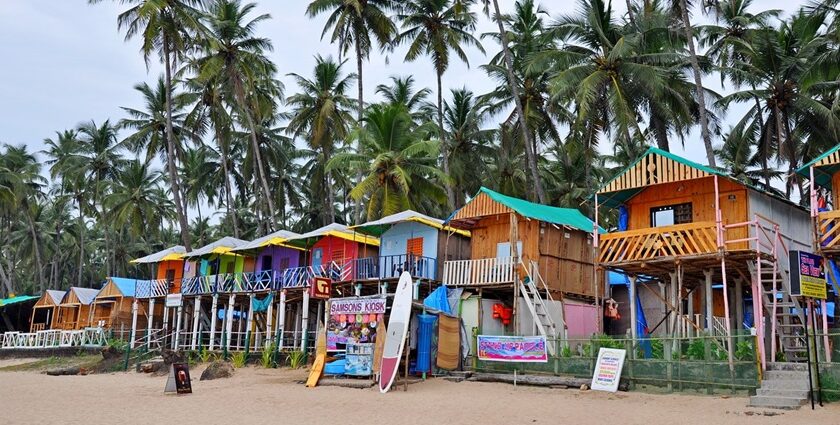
(397,329)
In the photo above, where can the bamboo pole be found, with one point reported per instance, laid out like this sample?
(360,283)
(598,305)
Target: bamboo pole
(196,318)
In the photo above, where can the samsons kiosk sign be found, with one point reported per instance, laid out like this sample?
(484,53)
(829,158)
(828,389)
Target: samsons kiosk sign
(357,306)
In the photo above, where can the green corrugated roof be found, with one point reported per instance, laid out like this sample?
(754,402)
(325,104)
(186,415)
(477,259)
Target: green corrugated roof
(18,299)
(560,216)
(822,175)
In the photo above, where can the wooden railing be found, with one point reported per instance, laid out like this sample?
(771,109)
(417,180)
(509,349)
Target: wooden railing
(392,266)
(481,272)
(666,241)
(828,225)
(151,288)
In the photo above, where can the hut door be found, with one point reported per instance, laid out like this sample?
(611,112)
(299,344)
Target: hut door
(170,275)
(317,257)
(414,247)
(266,262)
(503,249)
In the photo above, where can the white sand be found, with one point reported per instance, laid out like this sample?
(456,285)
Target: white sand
(256,395)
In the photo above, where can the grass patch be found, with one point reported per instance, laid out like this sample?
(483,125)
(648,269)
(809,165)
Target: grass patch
(88,361)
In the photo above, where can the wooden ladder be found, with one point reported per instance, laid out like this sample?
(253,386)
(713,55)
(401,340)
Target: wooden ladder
(788,315)
(543,321)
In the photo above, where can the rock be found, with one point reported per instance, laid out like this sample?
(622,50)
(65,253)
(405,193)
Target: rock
(170,356)
(584,387)
(64,371)
(216,370)
(152,366)
(110,352)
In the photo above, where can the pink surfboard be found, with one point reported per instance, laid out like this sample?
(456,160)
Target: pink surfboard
(397,329)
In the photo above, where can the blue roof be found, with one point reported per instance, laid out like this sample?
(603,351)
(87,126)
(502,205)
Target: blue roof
(126,285)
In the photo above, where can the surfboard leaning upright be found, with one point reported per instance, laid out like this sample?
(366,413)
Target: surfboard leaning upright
(397,329)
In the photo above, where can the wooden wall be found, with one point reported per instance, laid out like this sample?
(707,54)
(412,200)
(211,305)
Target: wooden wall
(567,260)
(701,193)
(490,231)
(455,247)
(835,191)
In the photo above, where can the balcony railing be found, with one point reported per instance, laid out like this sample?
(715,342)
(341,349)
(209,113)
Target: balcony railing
(199,285)
(392,266)
(151,288)
(299,277)
(482,272)
(657,242)
(828,224)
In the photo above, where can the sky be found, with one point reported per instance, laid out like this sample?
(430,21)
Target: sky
(65,62)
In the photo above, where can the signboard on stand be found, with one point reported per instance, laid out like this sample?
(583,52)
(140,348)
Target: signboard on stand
(179,379)
(807,275)
(608,369)
(522,349)
(320,288)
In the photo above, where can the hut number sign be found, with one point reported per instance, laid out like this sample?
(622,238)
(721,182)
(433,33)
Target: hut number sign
(807,275)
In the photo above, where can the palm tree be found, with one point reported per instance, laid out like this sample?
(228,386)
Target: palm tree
(165,27)
(137,201)
(235,57)
(320,114)
(401,91)
(353,22)
(400,166)
(523,9)
(462,120)
(200,170)
(505,173)
(437,28)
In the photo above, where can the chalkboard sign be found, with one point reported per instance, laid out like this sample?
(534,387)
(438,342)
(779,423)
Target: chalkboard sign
(807,275)
(179,379)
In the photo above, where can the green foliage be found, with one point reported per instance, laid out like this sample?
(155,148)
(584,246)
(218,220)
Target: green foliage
(204,355)
(696,350)
(830,387)
(566,351)
(267,356)
(297,359)
(744,351)
(117,344)
(239,359)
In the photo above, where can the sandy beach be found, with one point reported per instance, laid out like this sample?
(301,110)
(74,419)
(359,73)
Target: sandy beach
(256,395)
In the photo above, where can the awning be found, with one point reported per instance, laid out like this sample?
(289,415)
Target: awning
(172,253)
(378,227)
(306,240)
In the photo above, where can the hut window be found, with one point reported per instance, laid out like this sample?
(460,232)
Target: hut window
(671,214)
(414,246)
(266,262)
(170,275)
(503,249)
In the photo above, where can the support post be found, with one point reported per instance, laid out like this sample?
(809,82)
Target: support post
(229,316)
(281,319)
(304,320)
(150,323)
(514,253)
(634,314)
(739,304)
(165,323)
(213,318)
(826,345)
(269,319)
(709,302)
(134,308)
(196,317)
(178,319)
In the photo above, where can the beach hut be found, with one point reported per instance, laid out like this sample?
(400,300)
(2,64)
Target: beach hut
(167,268)
(270,257)
(691,228)
(333,252)
(112,307)
(45,309)
(74,311)
(413,242)
(543,253)
(16,312)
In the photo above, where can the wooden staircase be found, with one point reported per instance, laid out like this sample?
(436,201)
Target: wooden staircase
(786,314)
(543,322)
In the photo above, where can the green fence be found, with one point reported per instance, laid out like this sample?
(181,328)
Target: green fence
(698,364)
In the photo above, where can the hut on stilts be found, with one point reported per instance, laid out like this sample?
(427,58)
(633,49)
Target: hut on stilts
(684,230)
(45,310)
(167,267)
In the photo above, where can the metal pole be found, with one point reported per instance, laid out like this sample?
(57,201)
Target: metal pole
(810,376)
(813,317)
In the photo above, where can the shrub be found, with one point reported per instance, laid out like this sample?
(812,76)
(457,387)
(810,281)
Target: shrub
(267,358)
(239,359)
(297,359)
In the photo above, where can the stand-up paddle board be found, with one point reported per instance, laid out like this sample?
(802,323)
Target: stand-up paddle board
(395,336)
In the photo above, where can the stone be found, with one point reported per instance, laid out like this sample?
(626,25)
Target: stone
(216,370)
(64,371)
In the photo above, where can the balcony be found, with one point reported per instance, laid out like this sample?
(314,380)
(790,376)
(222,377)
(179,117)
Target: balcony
(299,277)
(200,285)
(151,288)
(392,266)
(828,226)
(658,242)
(481,272)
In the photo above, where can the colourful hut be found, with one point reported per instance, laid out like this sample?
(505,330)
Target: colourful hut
(270,258)
(44,311)
(74,311)
(333,251)
(112,305)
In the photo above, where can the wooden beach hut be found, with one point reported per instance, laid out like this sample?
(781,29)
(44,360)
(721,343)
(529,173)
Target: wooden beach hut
(690,228)
(16,313)
(112,307)
(333,252)
(540,254)
(413,242)
(74,311)
(45,309)
(270,257)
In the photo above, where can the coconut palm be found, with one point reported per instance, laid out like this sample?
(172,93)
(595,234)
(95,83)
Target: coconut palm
(463,119)
(400,166)
(402,91)
(320,114)
(166,27)
(356,24)
(437,28)
(235,57)
(136,201)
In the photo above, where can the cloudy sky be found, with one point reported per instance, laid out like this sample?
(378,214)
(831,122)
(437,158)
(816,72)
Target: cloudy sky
(65,62)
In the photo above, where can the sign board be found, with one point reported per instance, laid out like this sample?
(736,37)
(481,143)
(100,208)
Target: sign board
(807,275)
(174,300)
(608,369)
(353,320)
(522,349)
(320,288)
(359,360)
(179,379)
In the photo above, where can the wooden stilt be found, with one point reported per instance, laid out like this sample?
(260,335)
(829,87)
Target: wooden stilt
(250,328)
(213,319)
(150,322)
(281,318)
(196,317)
(229,315)
(304,320)
(178,319)
(134,308)
(269,318)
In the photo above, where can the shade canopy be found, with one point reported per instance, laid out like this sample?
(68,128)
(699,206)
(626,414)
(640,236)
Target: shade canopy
(276,238)
(488,202)
(172,253)
(378,227)
(222,246)
(306,240)
(17,300)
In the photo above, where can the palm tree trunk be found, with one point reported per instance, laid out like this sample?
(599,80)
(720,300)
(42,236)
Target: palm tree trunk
(698,85)
(630,13)
(228,197)
(444,148)
(7,282)
(520,111)
(170,151)
(82,227)
(37,249)
(357,205)
(330,198)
